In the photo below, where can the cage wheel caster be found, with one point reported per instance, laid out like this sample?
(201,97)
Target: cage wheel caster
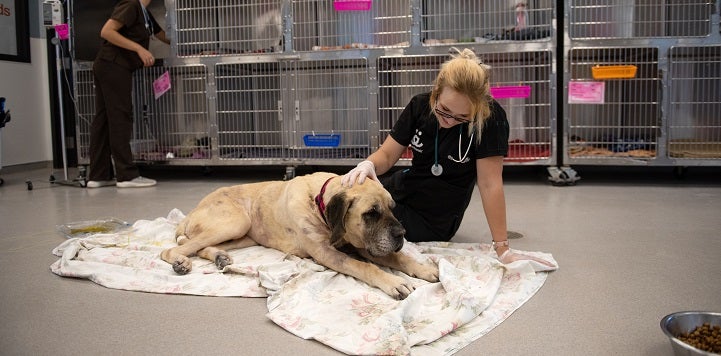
(2,181)
(289,173)
(29,184)
(562,176)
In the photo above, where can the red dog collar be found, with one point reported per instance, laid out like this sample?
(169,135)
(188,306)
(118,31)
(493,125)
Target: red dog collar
(319,200)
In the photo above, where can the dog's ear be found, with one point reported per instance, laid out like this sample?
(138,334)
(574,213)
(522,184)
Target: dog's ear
(336,211)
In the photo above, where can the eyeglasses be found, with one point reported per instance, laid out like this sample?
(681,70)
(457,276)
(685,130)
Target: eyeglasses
(450,116)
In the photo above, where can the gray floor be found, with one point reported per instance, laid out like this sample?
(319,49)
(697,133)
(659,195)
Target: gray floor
(632,246)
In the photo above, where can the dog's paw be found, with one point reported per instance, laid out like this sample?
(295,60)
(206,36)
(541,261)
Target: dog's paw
(396,287)
(182,265)
(222,259)
(426,272)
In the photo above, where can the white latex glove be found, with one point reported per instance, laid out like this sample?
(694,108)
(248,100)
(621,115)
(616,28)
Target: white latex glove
(359,174)
(508,257)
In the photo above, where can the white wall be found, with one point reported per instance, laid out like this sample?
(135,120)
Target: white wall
(25,86)
(27,138)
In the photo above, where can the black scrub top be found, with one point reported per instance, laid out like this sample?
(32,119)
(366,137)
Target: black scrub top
(442,200)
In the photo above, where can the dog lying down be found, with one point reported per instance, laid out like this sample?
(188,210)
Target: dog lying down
(307,216)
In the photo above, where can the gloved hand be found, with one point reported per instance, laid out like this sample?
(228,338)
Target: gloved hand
(508,257)
(359,174)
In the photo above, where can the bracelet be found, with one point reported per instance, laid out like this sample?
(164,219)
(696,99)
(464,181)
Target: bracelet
(497,244)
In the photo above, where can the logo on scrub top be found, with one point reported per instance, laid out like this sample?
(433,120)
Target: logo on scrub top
(416,143)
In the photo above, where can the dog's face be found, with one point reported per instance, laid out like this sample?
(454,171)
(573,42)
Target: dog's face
(362,216)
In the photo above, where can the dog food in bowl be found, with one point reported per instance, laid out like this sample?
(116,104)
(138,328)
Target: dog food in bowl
(693,332)
(706,337)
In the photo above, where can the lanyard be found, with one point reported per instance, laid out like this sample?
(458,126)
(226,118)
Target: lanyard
(148,22)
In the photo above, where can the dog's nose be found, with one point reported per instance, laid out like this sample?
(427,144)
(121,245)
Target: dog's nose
(399,234)
(398,231)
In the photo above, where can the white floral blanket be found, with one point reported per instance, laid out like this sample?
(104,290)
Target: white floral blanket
(475,292)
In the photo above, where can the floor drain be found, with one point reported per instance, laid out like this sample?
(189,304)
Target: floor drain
(514,235)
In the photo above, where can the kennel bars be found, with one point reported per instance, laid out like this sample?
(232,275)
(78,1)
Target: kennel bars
(641,83)
(280,82)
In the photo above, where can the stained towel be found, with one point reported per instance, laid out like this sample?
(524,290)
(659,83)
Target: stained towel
(475,293)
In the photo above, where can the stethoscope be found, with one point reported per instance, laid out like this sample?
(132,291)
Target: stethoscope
(436,168)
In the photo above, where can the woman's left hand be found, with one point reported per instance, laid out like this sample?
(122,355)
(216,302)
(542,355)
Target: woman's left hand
(146,57)
(508,257)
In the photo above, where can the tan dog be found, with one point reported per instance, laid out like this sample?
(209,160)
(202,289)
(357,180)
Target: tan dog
(307,216)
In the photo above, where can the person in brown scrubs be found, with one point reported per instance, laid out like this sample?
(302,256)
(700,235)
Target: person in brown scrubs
(126,38)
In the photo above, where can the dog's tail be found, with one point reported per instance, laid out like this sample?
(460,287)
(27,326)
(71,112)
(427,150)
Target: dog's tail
(180,236)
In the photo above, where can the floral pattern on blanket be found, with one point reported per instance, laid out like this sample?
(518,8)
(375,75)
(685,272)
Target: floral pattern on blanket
(475,293)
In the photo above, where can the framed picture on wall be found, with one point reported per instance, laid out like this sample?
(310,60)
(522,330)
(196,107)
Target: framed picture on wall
(14,31)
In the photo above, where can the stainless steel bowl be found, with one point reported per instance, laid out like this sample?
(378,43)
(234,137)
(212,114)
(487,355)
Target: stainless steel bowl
(684,322)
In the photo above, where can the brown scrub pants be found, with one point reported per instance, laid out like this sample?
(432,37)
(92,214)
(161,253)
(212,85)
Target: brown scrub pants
(112,126)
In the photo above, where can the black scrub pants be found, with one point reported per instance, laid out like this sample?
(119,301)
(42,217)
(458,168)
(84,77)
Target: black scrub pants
(443,205)
(112,126)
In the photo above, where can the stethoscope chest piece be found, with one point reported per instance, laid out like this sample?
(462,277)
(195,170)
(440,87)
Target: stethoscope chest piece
(436,169)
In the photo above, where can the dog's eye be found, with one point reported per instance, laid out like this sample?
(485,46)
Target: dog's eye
(372,212)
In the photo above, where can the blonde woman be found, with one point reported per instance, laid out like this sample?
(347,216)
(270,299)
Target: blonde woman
(459,136)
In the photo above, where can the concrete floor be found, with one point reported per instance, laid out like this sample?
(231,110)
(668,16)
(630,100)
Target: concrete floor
(633,244)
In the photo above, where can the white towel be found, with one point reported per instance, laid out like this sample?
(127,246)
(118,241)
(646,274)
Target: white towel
(475,293)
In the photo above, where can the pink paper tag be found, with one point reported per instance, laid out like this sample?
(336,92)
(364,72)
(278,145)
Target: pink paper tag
(586,92)
(161,85)
(62,31)
(508,92)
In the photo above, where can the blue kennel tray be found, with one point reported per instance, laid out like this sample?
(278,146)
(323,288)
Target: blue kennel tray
(323,140)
